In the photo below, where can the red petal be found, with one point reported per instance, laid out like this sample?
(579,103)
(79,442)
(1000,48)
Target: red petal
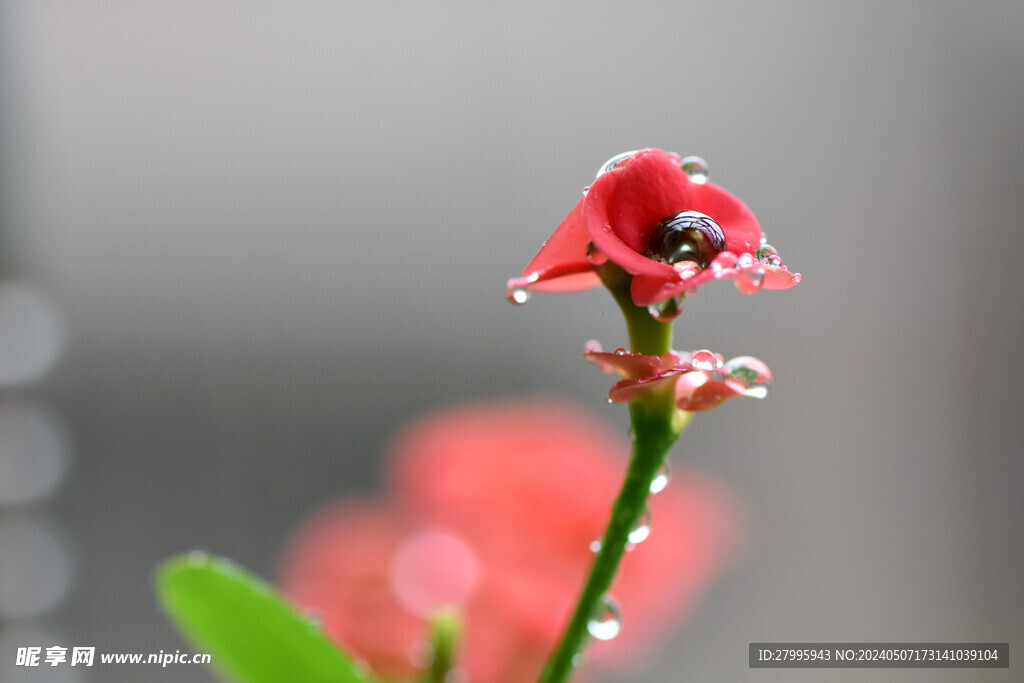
(697,392)
(630,389)
(742,231)
(561,265)
(629,365)
(601,215)
(780,277)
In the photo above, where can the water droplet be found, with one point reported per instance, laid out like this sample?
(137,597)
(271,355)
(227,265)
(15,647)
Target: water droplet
(609,401)
(722,263)
(595,255)
(577,659)
(592,346)
(660,480)
(315,618)
(586,190)
(686,236)
(615,161)
(606,621)
(642,529)
(620,351)
(696,168)
(595,546)
(750,281)
(752,276)
(666,311)
(752,374)
(198,559)
(768,255)
(764,238)
(518,295)
(705,360)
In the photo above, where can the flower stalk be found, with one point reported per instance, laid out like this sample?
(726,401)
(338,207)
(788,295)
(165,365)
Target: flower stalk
(656,424)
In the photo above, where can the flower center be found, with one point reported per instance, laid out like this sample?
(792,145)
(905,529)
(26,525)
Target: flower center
(686,236)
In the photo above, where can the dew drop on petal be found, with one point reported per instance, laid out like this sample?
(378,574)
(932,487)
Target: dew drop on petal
(768,255)
(704,360)
(750,373)
(642,529)
(764,238)
(686,236)
(722,263)
(517,295)
(660,480)
(696,168)
(615,161)
(592,346)
(606,621)
(620,351)
(595,255)
(750,281)
(595,546)
(586,190)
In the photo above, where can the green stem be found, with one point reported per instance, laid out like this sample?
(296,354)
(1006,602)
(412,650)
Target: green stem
(444,636)
(656,426)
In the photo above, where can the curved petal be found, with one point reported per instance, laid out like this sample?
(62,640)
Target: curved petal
(628,365)
(780,277)
(601,222)
(696,392)
(742,231)
(630,389)
(561,265)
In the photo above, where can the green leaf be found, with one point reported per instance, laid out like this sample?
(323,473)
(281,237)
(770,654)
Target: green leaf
(252,634)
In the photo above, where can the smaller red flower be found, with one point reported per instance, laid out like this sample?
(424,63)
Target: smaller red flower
(492,510)
(702,380)
(654,215)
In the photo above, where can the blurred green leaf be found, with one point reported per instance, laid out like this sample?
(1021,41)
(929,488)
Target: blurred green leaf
(252,634)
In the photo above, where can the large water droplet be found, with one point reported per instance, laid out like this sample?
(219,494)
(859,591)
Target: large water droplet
(642,529)
(752,374)
(666,311)
(696,168)
(606,621)
(660,480)
(705,360)
(768,255)
(615,161)
(686,236)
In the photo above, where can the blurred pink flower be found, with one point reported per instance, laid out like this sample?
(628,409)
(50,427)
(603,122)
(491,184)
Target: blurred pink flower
(701,380)
(492,508)
(655,216)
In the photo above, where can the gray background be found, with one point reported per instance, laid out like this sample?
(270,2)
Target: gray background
(278,230)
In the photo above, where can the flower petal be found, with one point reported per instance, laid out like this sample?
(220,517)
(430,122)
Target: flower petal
(738,223)
(602,208)
(561,265)
(628,365)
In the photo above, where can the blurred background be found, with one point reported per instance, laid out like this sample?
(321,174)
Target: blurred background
(242,242)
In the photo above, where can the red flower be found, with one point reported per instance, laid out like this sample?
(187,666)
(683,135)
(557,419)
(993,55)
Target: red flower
(702,379)
(667,226)
(493,508)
